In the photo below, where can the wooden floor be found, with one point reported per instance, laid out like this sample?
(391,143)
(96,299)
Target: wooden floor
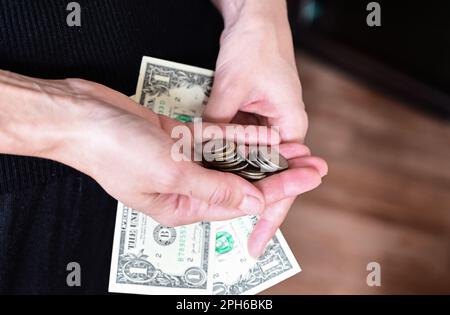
(386,197)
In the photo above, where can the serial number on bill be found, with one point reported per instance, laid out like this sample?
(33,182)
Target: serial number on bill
(225,305)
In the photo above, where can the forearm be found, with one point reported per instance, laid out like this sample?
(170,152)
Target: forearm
(264,11)
(265,19)
(32,123)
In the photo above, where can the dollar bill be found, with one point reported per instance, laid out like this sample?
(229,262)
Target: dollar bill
(149,258)
(236,272)
(173,89)
(201,258)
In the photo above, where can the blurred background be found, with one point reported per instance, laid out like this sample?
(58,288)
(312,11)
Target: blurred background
(378,100)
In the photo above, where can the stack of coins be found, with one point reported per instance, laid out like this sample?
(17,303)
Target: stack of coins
(251,163)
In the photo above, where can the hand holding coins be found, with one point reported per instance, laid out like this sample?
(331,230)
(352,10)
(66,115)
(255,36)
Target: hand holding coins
(219,259)
(250,162)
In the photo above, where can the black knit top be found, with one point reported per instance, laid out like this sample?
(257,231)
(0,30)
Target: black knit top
(51,214)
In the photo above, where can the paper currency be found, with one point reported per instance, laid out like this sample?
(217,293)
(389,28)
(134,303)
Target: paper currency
(201,258)
(172,89)
(149,258)
(183,265)
(236,272)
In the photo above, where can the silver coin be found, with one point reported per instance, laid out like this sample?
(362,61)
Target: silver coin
(242,151)
(227,151)
(219,144)
(273,159)
(238,167)
(264,167)
(252,163)
(225,165)
(225,159)
(248,153)
(251,156)
(230,148)
(252,172)
(251,176)
(215,146)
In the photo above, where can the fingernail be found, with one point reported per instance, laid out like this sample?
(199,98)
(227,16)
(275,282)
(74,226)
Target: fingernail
(251,205)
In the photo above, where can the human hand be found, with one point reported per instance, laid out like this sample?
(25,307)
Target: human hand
(125,147)
(256,82)
(256,78)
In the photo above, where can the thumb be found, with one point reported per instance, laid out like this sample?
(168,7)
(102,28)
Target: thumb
(220,189)
(224,101)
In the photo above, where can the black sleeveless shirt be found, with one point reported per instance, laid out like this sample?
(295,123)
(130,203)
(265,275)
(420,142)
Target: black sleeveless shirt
(50,214)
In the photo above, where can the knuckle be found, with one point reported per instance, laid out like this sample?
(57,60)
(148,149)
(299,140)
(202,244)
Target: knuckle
(222,195)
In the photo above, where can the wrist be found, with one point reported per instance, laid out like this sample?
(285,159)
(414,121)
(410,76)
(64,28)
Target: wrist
(259,21)
(252,12)
(35,119)
(22,117)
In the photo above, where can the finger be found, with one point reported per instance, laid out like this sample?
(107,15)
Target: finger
(289,183)
(293,150)
(203,131)
(216,188)
(267,226)
(248,134)
(310,161)
(225,100)
(293,126)
(176,210)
